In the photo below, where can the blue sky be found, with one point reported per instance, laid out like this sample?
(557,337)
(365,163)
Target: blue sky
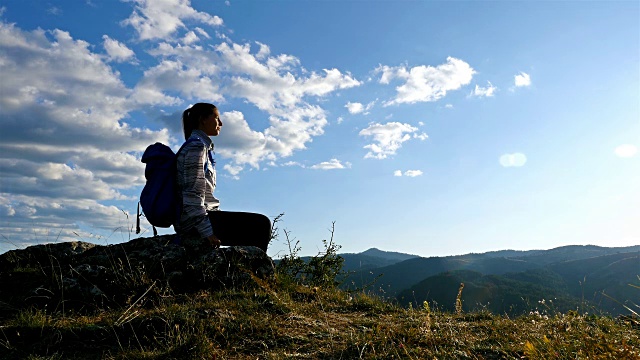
(431,128)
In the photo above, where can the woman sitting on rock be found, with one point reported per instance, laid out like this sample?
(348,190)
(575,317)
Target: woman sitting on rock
(202,222)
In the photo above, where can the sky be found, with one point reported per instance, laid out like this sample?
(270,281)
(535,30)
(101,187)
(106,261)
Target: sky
(423,127)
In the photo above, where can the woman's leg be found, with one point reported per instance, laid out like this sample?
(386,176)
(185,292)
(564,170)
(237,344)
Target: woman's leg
(241,228)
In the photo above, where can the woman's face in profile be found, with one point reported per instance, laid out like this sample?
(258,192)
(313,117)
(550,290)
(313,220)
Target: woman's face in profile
(212,124)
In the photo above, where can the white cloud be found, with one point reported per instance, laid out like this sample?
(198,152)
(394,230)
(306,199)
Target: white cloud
(293,163)
(412,173)
(54,11)
(276,84)
(292,129)
(331,165)
(188,81)
(70,93)
(449,106)
(409,173)
(64,144)
(234,170)
(339,120)
(388,138)
(421,136)
(51,180)
(264,51)
(356,108)
(272,84)
(484,91)
(513,160)
(39,219)
(65,111)
(626,151)
(388,73)
(426,83)
(522,79)
(116,50)
(240,143)
(161,19)
(190,38)
(288,132)
(202,33)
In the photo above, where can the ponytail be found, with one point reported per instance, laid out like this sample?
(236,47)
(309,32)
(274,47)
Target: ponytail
(192,116)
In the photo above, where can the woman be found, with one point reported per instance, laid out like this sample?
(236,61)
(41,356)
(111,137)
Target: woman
(201,221)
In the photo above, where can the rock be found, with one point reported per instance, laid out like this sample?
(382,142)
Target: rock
(43,254)
(82,275)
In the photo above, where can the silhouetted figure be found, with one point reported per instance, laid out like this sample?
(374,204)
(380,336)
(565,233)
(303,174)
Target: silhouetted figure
(201,221)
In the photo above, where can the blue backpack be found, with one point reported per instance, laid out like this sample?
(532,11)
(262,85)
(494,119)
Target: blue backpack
(159,199)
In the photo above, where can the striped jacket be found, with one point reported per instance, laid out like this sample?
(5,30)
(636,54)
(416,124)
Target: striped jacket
(196,184)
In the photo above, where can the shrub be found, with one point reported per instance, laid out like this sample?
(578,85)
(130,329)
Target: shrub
(323,270)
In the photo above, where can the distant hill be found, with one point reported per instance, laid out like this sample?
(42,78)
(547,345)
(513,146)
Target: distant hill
(369,259)
(396,277)
(610,274)
(500,294)
(390,255)
(573,252)
(567,285)
(372,258)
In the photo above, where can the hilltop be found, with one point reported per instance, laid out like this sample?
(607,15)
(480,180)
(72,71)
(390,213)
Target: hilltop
(236,309)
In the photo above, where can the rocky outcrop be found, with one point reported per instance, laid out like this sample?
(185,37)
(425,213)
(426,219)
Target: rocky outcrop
(82,275)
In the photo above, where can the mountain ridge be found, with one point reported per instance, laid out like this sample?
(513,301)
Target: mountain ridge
(585,271)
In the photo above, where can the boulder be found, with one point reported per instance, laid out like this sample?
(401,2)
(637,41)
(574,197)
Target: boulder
(82,275)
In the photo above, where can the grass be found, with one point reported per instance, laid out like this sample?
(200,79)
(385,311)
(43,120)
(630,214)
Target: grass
(285,320)
(298,314)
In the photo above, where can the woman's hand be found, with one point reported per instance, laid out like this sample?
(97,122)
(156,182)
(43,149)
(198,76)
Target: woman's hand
(214,241)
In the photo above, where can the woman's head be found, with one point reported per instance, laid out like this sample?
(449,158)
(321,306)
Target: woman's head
(202,116)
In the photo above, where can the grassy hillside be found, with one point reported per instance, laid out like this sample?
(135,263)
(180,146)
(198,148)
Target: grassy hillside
(299,313)
(286,320)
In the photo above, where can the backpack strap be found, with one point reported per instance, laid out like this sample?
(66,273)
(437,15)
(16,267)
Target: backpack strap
(189,140)
(211,159)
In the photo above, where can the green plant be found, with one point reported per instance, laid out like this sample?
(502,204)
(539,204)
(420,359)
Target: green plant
(459,299)
(322,270)
(325,268)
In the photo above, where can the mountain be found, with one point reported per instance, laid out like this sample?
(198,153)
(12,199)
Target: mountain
(609,274)
(397,277)
(500,294)
(371,259)
(401,275)
(559,287)
(389,255)
(573,252)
